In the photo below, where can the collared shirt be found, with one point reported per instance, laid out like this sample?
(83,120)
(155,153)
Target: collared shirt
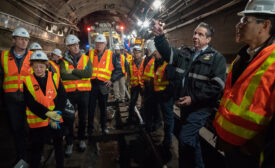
(252,53)
(196,54)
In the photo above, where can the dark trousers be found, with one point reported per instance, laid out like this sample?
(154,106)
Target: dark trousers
(17,117)
(135,91)
(151,110)
(190,154)
(38,137)
(236,159)
(79,100)
(166,106)
(102,102)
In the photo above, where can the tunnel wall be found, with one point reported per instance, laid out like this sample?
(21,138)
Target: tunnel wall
(224,37)
(14,9)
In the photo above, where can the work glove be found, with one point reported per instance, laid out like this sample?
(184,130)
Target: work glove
(54,124)
(70,71)
(86,67)
(54,115)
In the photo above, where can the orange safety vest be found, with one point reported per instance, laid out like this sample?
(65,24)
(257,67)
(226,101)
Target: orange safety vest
(83,84)
(160,79)
(13,79)
(136,74)
(46,100)
(122,61)
(148,72)
(55,67)
(243,110)
(102,70)
(129,57)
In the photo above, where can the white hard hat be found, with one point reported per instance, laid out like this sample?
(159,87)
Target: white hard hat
(71,39)
(259,7)
(137,48)
(35,46)
(39,56)
(57,52)
(20,32)
(101,39)
(151,47)
(116,47)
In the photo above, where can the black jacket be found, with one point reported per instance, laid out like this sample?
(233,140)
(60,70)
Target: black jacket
(37,108)
(204,77)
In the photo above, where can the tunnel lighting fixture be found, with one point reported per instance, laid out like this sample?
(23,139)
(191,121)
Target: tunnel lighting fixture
(122,28)
(157,4)
(146,24)
(139,23)
(89,29)
(134,32)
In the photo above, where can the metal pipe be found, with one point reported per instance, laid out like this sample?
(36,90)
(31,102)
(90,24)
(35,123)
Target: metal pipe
(176,9)
(167,10)
(190,13)
(174,14)
(203,16)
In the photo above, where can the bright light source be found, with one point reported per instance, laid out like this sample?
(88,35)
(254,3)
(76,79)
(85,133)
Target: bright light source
(139,23)
(157,4)
(89,29)
(87,46)
(146,24)
(121,28)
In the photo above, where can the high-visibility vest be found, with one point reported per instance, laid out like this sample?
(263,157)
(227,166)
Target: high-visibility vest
(46,100)
(148,72)
(136,74)
(122,61)
(13,79)
(83,84)
(129,57)
(160,79)
(243,113)
(102,70)
(55,67)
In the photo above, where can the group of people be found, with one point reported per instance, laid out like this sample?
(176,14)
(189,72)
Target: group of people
(35,89)
(245,96)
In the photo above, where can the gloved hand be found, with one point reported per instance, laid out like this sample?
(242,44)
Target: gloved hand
(69,70)
(54,124)
(54,115)
(86,67)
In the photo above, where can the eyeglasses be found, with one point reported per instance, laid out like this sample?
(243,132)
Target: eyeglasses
(245,20)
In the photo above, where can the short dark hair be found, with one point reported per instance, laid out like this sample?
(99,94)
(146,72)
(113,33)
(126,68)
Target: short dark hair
(266,17)
(210,30)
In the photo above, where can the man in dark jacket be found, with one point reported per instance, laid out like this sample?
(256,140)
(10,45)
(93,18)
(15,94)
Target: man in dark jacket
(202,71)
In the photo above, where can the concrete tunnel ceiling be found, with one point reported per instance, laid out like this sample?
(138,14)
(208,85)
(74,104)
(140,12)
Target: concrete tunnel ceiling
(73,16)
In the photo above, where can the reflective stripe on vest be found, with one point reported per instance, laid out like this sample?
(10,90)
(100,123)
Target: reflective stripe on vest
(243,110)
(83,84)
(148,72)
(136,74)
(46,100)
(102,70)
(129,57)
(122,61)
(160,80)
(13,79)
(55,67)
